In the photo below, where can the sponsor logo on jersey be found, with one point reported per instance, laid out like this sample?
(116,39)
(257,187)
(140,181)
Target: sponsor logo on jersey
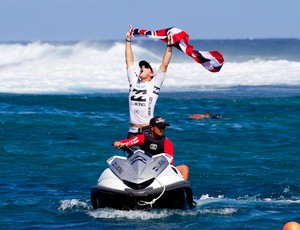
(156,90)
(153,146)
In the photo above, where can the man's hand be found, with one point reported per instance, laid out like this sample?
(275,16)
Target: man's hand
(118,144)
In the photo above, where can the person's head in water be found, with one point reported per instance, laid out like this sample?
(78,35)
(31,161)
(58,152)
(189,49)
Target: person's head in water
(217,116)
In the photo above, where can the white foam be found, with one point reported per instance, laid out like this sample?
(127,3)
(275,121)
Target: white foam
(220,211)
(73,203)
(132,214)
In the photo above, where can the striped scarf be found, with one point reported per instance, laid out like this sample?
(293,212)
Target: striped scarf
(211,60)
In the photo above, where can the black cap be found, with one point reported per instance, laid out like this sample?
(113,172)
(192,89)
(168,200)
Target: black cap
(158,120)
(146,64)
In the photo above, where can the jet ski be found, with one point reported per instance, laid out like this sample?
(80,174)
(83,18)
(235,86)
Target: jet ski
(141,181)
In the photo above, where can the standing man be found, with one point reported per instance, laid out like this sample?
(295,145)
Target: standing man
(144,87)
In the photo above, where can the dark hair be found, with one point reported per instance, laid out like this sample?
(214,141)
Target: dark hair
(217,116)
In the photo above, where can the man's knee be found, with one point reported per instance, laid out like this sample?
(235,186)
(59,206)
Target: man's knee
(184,170)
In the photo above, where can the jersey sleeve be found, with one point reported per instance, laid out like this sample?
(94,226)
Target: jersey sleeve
(131,75)
(159,78)
(137,140)
(169,148)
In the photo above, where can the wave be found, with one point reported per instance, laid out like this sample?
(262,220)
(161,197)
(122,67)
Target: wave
(93,67)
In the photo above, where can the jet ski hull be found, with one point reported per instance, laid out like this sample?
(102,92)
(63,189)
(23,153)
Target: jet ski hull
(176,196)
(141,181)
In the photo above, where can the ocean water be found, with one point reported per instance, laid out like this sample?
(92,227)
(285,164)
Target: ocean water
(63,104)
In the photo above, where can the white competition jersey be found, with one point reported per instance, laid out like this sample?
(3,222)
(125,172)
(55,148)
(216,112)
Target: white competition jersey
(143,96)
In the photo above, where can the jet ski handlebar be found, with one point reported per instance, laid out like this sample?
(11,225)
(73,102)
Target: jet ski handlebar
(126,149)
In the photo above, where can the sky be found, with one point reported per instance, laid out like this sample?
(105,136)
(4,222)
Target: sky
(76,20)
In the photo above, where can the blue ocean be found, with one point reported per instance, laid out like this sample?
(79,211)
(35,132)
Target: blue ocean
(63,104)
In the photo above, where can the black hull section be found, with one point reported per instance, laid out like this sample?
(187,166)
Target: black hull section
(177,196)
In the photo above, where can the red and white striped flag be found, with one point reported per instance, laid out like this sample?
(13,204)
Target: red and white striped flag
(211,60)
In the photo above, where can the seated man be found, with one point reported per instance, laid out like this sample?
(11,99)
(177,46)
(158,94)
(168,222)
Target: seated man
(155,143)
